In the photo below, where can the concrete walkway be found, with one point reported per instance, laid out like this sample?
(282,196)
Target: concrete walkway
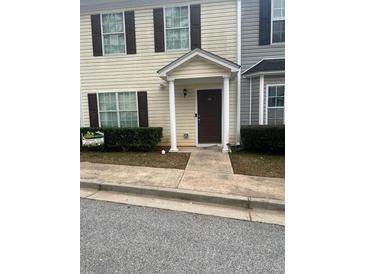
(208,170)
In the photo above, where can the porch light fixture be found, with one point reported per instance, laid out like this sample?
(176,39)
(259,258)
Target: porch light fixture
(185,92)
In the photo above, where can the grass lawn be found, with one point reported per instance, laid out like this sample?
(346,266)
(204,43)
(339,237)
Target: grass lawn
(150,159)
(256,164)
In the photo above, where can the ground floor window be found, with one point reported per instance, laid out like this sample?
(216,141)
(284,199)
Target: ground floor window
(275,105)
(118,109)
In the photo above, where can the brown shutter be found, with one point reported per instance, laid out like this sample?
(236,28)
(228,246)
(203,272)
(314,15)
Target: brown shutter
(195,26)
(93,110)
(96,35)
(159,31)
(142,109)
(130,32)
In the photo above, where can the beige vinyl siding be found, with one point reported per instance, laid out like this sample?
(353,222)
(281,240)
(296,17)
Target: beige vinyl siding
(196,68)
(138,72)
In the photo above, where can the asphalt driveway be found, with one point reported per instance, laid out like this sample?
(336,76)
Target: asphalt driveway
(117,238)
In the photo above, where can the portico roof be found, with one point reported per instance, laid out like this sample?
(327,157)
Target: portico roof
(213,58)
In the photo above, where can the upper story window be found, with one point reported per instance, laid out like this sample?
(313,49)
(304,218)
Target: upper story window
(278,21)
(275,105)
(177,28)
(113,33)
(118,109)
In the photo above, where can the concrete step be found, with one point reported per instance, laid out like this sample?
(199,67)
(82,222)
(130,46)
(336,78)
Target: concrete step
(188,195)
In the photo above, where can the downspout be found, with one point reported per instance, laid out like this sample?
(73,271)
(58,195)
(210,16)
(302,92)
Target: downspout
(238,54)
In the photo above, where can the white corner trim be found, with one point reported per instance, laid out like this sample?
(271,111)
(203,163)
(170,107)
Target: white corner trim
(250,112)
(261,100)
(238,53)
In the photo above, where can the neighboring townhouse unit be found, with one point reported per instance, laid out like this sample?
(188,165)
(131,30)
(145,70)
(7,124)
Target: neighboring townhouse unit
(263,62)
(163,63)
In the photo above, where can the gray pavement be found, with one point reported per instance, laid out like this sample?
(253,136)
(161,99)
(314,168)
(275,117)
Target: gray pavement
(118,238)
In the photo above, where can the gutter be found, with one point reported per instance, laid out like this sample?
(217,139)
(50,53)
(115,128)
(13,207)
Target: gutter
(238,54)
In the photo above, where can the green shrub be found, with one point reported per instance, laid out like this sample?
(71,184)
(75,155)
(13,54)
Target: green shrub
(263,138)
(127,139)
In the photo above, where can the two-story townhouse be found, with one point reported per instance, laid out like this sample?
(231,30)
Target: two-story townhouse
(263,62)
(171,64)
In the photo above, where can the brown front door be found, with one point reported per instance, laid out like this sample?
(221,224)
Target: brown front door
(209,116)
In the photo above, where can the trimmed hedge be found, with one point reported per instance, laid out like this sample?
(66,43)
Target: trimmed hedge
(127,139)
(263,138)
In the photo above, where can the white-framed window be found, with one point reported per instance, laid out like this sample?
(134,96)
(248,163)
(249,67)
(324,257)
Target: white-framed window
(113,33)
(277,21)
(275,105)
(177,27)
(118,109)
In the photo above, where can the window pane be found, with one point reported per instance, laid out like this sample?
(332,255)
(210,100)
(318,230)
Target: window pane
(277,13)
(127,101)
(280,90)
(114,43)
(279,101)
(272,91)
(279,113)
(107,102)
(275,116)
(184,15)
(112,22)
(168,15)
(184,36)
(177,28)
(271,102)
(108,119)
(278,4)
(128,119)
(177,38)
(176,17)
(278,31)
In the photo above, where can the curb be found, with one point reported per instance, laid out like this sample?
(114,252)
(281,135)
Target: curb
(191,195)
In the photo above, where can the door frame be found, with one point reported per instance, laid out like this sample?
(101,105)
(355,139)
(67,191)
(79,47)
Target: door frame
(197,144)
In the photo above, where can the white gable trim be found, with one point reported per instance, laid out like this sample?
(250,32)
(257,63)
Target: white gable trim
(198,52)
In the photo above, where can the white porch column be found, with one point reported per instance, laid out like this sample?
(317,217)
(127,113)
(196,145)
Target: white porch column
(172,116)
(261,100)
(225,113)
